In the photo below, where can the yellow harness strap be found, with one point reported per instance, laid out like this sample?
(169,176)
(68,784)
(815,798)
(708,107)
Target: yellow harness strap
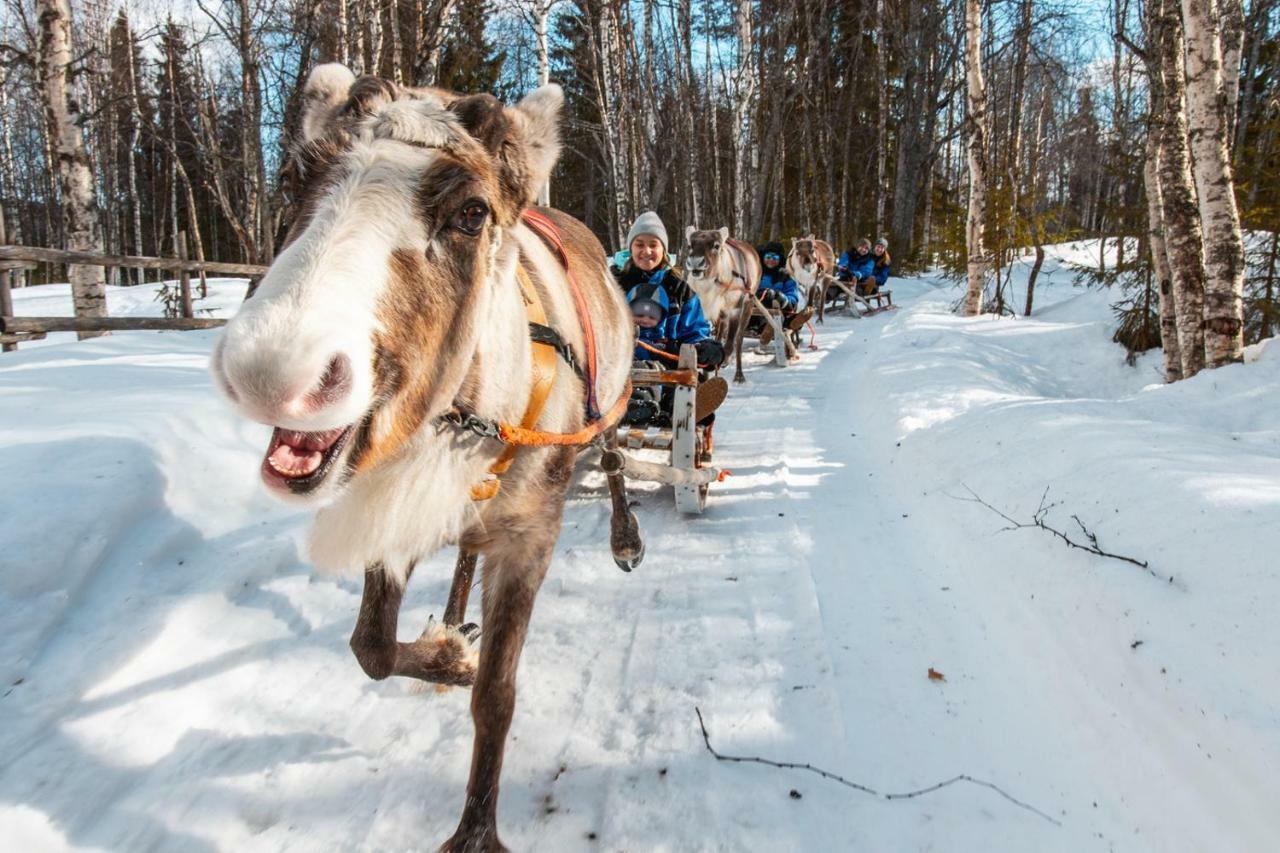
(544,377)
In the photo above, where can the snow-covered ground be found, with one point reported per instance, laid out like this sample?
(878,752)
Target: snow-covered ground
(175,677)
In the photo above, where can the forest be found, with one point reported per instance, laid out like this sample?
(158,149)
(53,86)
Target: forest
(967,133)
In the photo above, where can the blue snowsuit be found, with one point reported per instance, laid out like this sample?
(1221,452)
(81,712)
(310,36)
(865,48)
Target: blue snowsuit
(855,267)
(685,322)
(881,271)
(784,285)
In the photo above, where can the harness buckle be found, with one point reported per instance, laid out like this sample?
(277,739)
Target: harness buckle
(471,422)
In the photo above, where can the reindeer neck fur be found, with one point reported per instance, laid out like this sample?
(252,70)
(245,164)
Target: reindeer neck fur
(731,277)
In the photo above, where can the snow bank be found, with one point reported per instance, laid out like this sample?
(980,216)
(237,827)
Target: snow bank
(176,677)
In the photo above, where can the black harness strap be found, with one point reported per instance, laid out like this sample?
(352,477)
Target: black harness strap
(541,334)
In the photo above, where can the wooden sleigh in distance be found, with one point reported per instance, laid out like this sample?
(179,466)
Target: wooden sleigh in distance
(851,302)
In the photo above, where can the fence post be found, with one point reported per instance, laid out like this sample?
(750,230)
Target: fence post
(184,274)
(6,302)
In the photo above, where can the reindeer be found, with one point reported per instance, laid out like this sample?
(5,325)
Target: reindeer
(810,262)
(725,274)
(417,310)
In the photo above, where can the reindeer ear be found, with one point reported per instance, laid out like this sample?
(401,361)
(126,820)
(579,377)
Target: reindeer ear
(724,234)
(688,232)
(525,140)
(323,94)
(540,110)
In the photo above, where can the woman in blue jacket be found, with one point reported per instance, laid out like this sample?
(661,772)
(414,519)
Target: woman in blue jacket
(667,314)
(880,269)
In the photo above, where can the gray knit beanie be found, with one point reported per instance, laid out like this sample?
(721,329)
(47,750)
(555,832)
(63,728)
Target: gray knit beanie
(648,223)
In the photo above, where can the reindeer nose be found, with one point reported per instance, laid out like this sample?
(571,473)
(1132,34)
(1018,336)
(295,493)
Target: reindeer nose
(335,384)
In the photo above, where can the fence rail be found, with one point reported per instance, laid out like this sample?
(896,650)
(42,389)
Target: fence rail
(36,254)
(16,259)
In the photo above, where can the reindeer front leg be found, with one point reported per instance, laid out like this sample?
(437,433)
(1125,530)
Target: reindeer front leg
(514,567)
(739,330)
(441,655)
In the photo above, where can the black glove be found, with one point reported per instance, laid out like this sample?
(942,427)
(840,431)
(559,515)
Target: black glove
(710,353)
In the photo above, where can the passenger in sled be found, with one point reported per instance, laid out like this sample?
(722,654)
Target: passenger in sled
(866,269)
(667,314)
(778,290)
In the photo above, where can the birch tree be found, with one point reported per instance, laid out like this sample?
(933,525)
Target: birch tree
(1208,135)
(79,207)
(976,121)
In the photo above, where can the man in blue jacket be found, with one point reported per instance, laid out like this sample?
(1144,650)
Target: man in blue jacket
(858,266)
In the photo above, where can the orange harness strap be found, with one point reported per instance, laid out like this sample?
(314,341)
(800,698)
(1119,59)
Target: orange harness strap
(544,377)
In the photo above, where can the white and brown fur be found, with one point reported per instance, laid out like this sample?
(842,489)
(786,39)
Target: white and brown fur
(725,273)
(810,262)
(381,287)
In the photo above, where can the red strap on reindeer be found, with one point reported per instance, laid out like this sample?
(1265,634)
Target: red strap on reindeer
(550,234)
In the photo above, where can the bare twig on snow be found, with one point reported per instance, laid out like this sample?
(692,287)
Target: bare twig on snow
(1038,521)
(904,795)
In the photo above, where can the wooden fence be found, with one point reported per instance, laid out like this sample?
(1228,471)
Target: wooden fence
(14,260)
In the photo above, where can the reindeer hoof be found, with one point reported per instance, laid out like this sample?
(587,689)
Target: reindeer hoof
(738,379)
(630,560)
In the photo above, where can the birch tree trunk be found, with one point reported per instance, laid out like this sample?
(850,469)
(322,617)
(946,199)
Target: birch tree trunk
(1182,233)
(882,115)
(743,114)
(976,120)
(71,161)
(1207,125)
(1159,254)
(542,17)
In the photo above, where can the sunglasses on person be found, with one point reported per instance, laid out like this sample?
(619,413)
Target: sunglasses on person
(772,256)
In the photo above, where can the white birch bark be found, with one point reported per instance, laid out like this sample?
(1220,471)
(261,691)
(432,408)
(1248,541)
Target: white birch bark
(1160,259)
(1184,240)
(976,120)
(743,114)
(1211,167)
(71,161)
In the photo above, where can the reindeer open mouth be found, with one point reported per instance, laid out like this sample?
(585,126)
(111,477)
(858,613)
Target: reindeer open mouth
(301,461)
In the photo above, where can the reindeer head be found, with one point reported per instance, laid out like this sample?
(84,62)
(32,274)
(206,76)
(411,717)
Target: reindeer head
(805,252)
(702,252)
(364,328)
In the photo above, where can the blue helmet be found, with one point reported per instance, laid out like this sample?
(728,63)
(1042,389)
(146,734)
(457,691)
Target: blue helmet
(649,300)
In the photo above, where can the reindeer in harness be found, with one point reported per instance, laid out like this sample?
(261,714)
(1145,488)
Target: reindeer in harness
(810,262)
(725,274)
(433,353)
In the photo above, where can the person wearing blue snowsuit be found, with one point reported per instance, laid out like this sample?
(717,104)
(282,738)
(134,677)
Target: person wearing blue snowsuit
(777,288)
(858,266)
(882,263)
(666,311)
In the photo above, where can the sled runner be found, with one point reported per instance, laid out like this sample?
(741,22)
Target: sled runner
(854,303)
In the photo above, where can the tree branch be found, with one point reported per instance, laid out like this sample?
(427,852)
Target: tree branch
(1038,521)
(903,795)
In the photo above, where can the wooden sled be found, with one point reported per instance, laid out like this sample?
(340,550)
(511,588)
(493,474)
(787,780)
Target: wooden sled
(784,350)
(689,445)
(854,303)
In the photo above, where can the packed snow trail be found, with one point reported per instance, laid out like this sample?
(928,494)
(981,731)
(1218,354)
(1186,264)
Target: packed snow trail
(177,678)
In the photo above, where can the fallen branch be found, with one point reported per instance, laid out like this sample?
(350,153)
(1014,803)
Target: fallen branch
(1038,521)
(904,795)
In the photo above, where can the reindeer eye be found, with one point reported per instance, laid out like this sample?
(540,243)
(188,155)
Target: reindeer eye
(471,218)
